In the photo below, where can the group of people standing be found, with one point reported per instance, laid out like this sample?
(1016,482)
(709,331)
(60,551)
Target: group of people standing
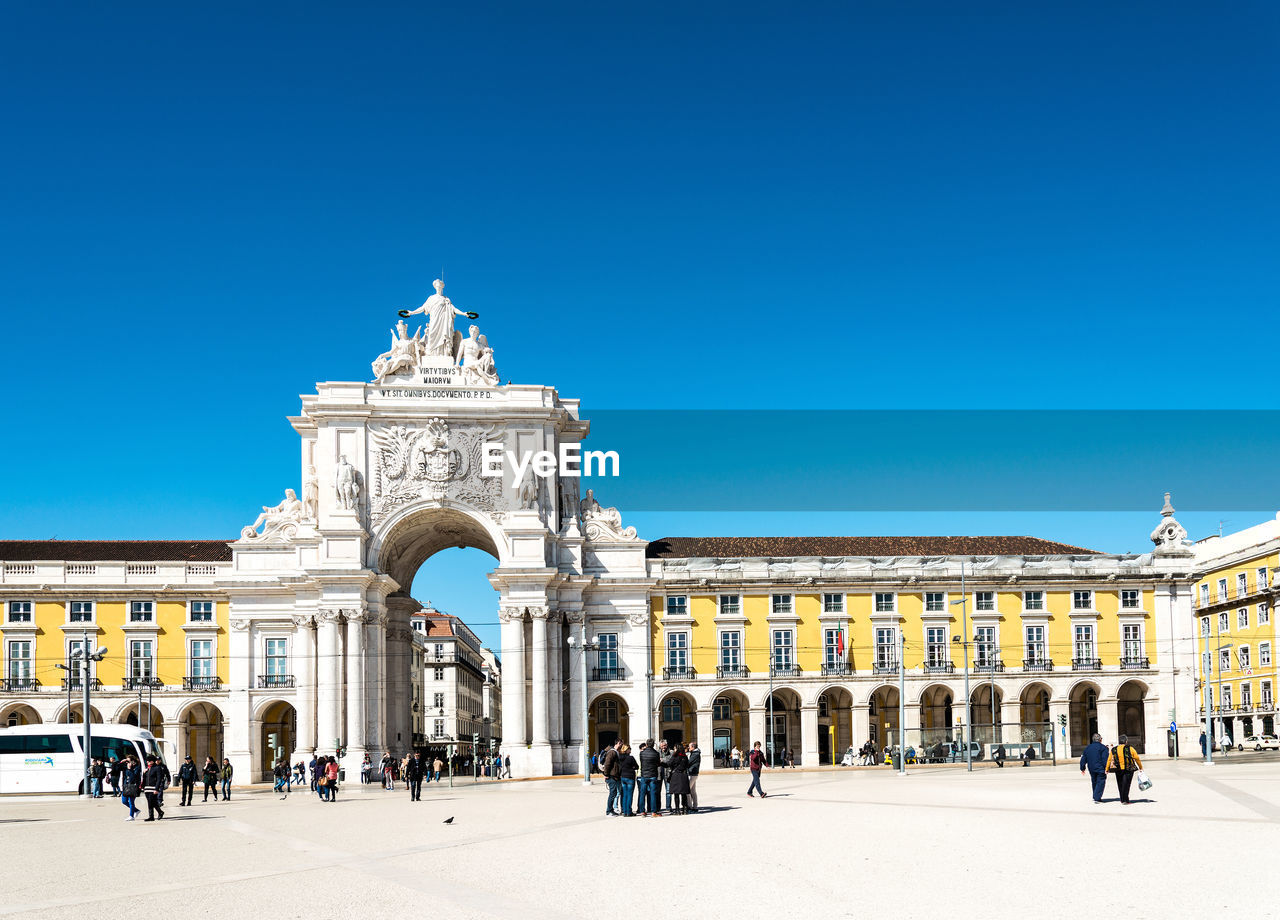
(674,766)
(1122,760)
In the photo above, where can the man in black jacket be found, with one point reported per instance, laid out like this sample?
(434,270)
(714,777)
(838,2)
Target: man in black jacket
(650,764)
(415,770)
(152,781)
(612,778)
(187,776)
(695,766)
(664,772)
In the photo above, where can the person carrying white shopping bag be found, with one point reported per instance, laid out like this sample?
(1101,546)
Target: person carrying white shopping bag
(1124,762)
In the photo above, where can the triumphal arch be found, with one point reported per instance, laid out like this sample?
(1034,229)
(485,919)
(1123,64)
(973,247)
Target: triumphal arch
(393,470)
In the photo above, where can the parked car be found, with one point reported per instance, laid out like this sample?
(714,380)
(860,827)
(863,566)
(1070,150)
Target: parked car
(1262,743)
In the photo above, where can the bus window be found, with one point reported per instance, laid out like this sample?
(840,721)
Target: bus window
(107,748)
(35,744)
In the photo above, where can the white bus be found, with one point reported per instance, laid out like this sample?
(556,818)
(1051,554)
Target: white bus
(50,757)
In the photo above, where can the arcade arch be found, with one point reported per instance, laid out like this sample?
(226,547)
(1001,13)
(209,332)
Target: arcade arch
(18,714)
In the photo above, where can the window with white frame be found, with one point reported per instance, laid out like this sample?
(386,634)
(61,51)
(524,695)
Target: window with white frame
(783,649)
(984,600)
(1246,695)
(1224,623)
(1226,697)
(1084,642)
(722,709)
(75,653)
(935,602)
(20,660)
(1130,599)
(730,605)
(277,658)
(831,646)
(438,700)
(1262,577)
(439,674)
(142,611)
(1242,618)
(1082,600)
(936,652)
(886,647)
(1035,644)
(781,605)
(1206,627)
(731,649)
(1131,641)
(833,603)
(678,652)
(1264,654)
(1204,594)
(677,605)
(985,645)
(202,611)
(1224,660)
(141,660)
(1222,589)
(607,654)
(886,603)
(1242,584)
(672,711)
(1265,691)
(19,611)
(80,612)
(202,659)
(1033,600)
(1244,655)
(437,728)
(1264,615)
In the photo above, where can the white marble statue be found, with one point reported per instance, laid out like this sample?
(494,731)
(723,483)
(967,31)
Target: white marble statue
(345,485)
(529,492)
(602,523)
(274,518)
(440,313)
(311,495)
(403,354)
(476,358)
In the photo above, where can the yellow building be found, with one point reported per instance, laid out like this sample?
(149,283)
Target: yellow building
(1234,602)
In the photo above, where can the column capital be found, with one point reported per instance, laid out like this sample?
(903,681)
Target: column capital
(507,614)
(358,615)
(539,613)
(375,619)
(572,616)
(304,620)
(399,634)
(329,615)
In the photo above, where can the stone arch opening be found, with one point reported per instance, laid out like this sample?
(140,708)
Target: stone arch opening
(782,736)
(279,728)
(1082,714)
(677,718)
(76,714)
(200,729)
(882,712)
(609,720)
(409,540)
(144,715)
(1131,715)
(730,725)
(18,714)
(985,718)
(835,724)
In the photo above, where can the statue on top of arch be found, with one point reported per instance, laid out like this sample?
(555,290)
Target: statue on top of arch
(438,340)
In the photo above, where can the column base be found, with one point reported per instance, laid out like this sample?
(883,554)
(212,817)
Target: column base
(534,760)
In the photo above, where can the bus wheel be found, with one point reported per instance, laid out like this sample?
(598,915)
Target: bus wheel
(80,788)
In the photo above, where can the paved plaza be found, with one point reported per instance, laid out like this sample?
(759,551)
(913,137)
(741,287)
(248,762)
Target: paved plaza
(856,842)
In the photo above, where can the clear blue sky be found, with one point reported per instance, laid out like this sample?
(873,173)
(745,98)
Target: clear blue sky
(754,206)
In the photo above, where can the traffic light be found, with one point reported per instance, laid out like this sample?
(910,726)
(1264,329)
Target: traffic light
(475,741)
(1062,719)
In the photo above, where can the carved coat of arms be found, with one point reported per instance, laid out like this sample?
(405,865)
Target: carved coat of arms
(414,463)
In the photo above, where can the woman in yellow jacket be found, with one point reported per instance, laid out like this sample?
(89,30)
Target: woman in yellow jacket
(1123,762)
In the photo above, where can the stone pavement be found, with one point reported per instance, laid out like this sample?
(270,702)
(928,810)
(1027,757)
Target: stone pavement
(850,843)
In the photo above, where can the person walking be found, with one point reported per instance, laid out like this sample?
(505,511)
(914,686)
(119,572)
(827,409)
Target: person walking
(437,767)
(650,764)
(225,775)
(187,779)
(130,785)
(414,771)
(113,774)
(279,771)
(678,780)
(627,767)
(331,774)
(695,767)
(152,785)
(1094,762)
(755,761)
(1123,762)
(210,776)
(322,779)
(612,779)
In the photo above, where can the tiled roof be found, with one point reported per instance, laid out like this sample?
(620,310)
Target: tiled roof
(763,547)
(115,551)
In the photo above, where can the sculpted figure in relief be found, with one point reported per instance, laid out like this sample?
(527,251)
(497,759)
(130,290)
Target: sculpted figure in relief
(403,354)
(476,358)
(345,484)
(311,495)
(440,312)
(602,523)
(275,518)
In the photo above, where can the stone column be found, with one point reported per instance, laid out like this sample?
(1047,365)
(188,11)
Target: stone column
(237,741)
(329,680)
(861,721)
(555,686)
(399,689)
(756,729)
(176,731)
(375,678)
(809,736)
(357,691)
(258,770)
(541,716)
(513,717)
(1108,720)
(304,663)
(1011,722)
(574,729)
(706,734)
(1061,742)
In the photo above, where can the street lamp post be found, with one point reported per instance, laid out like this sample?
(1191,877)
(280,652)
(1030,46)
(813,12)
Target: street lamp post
(966,729)
(1220,647)
(581,645)
(82,664)
(902,704)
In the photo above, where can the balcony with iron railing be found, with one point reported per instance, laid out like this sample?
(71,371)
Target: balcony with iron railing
(789,670)
(938,666)
(201,682)
(143,683)
(732,672)
(884,667)
(679,673)
(19,684)
(837,669)
(76,684)
(276,681)
(1037,664)
(1232,595)
(608,673)
(1135,664)
(1086,664)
